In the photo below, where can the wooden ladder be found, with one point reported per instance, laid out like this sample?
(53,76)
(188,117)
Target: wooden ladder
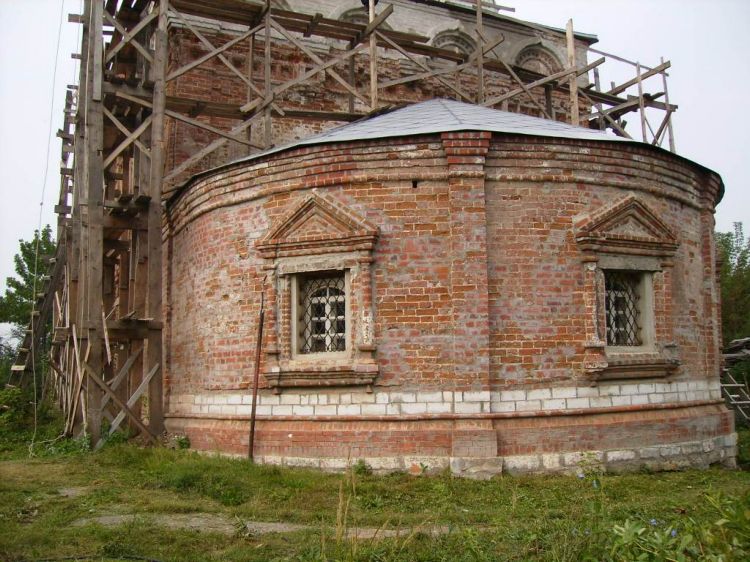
(736,394)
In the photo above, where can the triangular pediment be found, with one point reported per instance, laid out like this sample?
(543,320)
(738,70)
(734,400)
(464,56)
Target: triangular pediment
(629,223)
(318,224)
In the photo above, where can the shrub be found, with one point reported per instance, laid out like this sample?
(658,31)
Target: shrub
(15,409)
(724,540)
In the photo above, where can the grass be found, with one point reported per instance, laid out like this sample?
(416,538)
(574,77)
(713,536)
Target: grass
(507,518)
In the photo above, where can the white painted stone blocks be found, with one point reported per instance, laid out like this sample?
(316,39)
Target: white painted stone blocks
(436,402)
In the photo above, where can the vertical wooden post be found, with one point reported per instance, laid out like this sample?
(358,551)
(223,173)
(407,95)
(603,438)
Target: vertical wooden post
(373,61)
(574,114)
(250,65)
(670,132)
(92,327)
(548,101)
(352,81)
(138,284)
(480,49)
(268,137)
(75,235)
(597,85)
(154,298)
(641,106)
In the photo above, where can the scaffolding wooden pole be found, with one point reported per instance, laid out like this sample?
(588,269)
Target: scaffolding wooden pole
(373,59)
(574,113)
(90,322)
(641,106)
(670,133)
(480,50)
(267,133)
(154,302)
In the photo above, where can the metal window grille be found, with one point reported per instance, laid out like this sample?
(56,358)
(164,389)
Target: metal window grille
(622,307)
(322,314)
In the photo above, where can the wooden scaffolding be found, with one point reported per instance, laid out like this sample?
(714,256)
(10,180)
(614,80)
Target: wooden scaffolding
(104,288)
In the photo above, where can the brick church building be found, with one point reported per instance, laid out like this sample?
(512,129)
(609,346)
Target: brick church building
(445,285)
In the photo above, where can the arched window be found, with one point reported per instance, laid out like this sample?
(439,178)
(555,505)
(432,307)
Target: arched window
(454,40)
(538,59)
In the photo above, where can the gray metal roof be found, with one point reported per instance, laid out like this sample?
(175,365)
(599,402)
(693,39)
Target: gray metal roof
(438,116)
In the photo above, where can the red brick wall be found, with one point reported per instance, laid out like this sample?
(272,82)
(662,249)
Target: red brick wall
(535,189)
(478,285)
(449,438)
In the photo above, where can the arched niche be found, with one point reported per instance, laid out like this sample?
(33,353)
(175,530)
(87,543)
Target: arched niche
(455,40)
(359,16)
(538,59)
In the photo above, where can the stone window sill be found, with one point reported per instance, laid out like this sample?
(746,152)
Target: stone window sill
(623,365)
(301,373)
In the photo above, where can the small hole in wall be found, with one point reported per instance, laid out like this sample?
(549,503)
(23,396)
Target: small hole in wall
(415,184)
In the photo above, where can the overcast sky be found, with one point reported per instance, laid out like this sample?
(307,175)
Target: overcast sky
(706,41)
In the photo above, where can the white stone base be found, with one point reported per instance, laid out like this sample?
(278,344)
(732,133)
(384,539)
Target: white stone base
(673,456)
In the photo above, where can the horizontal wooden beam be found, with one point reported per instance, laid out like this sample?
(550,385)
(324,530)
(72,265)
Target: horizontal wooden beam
(543,81)
(208,56)
(124,223)
(374,24)
(624,86)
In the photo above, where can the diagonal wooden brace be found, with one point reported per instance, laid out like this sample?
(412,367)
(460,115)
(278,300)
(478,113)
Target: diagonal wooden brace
(429,72)
(124,407)
(216,52)
(127,142)
(205,151)
(545,80)
(122,374)
(224,59)
(320,62)
(131,402)
(124,130)
(124,32)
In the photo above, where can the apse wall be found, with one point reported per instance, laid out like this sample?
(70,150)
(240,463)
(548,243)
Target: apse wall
(477,270)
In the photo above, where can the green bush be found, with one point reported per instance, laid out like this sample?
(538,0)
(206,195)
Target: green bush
(16,407)
(726,539)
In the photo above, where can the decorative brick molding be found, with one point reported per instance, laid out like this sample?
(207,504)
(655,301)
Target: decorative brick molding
(627,235)
(626,227)
(319,234)
(317,225)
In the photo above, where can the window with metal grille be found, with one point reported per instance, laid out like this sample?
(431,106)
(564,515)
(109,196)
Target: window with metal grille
(622,307)
(322,318)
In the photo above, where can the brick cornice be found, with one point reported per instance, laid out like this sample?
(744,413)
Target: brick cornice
(466,147)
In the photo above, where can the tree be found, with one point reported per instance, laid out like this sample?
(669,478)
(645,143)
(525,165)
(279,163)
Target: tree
(734,251)
(6,360)
(16,304)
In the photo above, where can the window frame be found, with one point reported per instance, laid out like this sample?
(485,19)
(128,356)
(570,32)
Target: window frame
(645,306)
(296,320)
(317,234)
(627,235)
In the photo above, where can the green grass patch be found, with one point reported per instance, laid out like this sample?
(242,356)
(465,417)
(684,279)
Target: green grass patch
(611,517)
